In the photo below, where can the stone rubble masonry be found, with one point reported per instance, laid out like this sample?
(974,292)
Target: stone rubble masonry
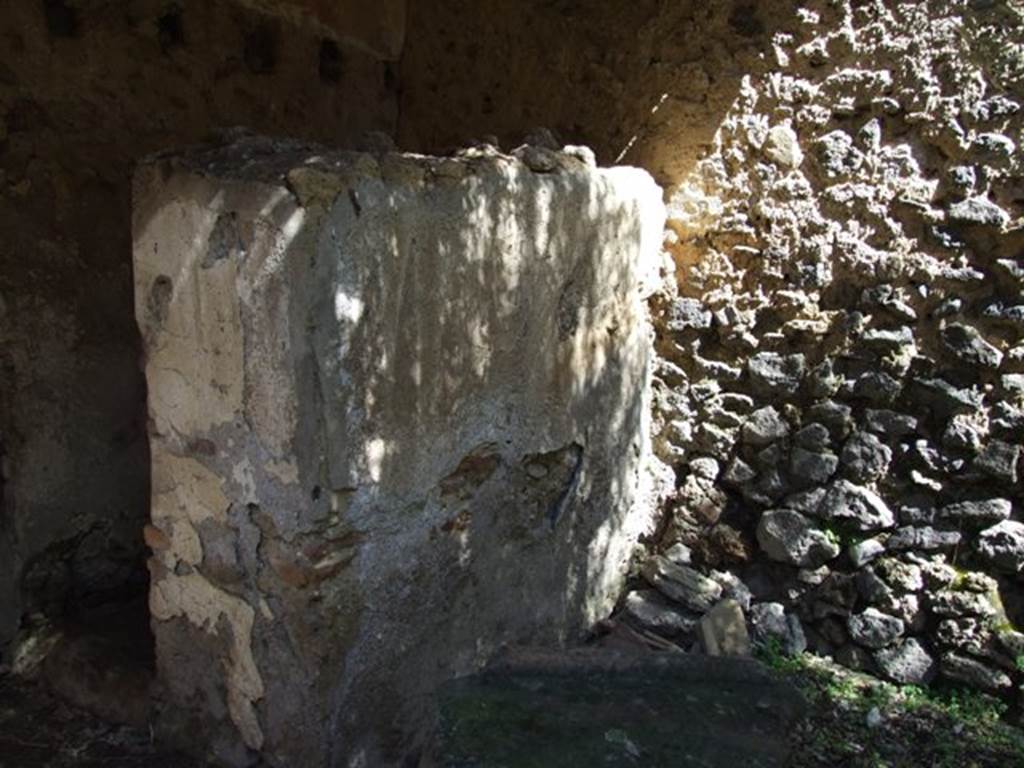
(398,418)
(843,336)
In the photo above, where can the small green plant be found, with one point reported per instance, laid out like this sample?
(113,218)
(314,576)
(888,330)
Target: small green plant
(842,534)
(914,697)
(773,654)
(843,688)
(1019,661)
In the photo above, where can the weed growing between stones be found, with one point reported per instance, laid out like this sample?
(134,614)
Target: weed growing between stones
(857,720)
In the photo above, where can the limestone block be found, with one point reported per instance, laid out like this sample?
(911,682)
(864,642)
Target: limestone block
(398,418)
(723,630)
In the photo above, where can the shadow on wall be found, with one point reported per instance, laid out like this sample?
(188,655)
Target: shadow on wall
(453,353)
(85,90)
(645,83)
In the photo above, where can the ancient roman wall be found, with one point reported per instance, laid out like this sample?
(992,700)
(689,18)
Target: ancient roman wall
(85,90)
(841,336)
(842,393)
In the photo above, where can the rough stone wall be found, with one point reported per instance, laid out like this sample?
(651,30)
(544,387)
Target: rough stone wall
(399,413)
(776,260)
(842,385)
(86,88)
(644,83)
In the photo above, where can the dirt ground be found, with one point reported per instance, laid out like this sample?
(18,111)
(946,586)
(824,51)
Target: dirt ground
(37,730)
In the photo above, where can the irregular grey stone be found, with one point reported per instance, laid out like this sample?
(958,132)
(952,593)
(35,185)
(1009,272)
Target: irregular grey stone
(734,402)
(813,437)
(770,622)
(845,501)
(976,513)
(995,145)
(901,576)
(952,603)
(789,537)
(972,672)
(537,159)
(896,306)
(774,374)
(823,381)
(714,440)
(738,473)
(768,488)
(701,498)
(1002,546)
(716,369)
(1007,418)
(907,663)
(890,424)
(945,399)
(1012,641)
(648,609)
(975,581)
(815,576)
(978,210)
(923,453)
(723,630)
(999,460)
(1010,315)
(864,457)
(874,629)
(806,502)
(837,155)
(889,340)
(863,552)
(764,426)
(704,467)
(872,588)
(970,346)
(1013,382)
(962,176)
(877,387)
(837,417)
(911,515)
(713,412)
(733,588)
(688,313)
(812,467)
(1012,268)
(772,457)
(906,608)
(963,433)
(783,147)
(968,635)
(923,538)
(679,554)
(681,583)
(937,574)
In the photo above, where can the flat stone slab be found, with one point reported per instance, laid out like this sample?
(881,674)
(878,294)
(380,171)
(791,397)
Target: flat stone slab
(593,708)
